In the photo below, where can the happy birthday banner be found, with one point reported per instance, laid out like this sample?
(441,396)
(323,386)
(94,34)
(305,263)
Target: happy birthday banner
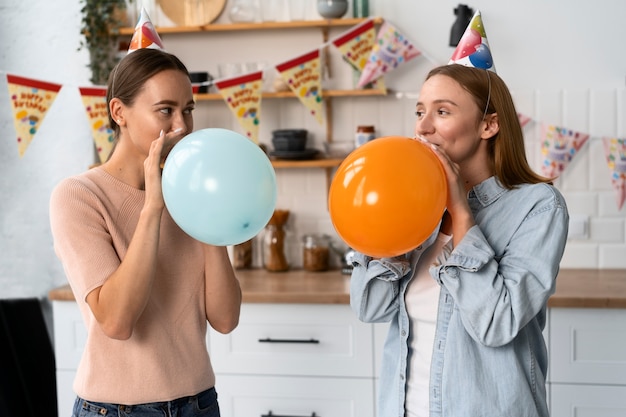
(615,153)
(95,102)
(356,46)
(243,96)
(390,50)
(303,76)
(30,100)
(373,55)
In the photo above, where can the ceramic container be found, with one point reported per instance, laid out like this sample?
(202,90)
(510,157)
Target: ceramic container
(332,9)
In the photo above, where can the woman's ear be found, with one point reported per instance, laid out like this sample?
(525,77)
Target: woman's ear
(116,109)
(491,126)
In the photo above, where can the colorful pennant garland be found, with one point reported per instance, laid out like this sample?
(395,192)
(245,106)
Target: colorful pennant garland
(243,95)
(559,145)
(373,55)
(303,76)
(95,102)
(30,100)
(615,153)
(356,46)
(391,50)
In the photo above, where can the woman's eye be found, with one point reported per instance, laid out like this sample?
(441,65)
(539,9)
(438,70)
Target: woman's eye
(189,110)
(166,110)
(443,112)
(419,113)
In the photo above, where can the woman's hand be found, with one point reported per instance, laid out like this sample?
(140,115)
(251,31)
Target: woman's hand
(456,201)
(152,167)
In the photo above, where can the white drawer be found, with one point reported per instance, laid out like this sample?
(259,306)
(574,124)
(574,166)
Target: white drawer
(587,346)
(587,401)
(290,339)
(257,396)
(70,334)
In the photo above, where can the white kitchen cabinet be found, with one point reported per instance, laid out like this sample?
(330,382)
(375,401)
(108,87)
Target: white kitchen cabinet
(70,335)
(587,362)
(295,359)
(259,395)
(283,359)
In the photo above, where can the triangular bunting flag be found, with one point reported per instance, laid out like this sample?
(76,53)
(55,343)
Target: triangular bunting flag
(303,76)
(243,95)
(390,50)
(30,100)
(615,152)
(356,45)
(95,102)
(559,146)
(473,49)
(145,35)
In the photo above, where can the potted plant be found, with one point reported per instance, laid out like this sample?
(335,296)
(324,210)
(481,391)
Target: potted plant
(101,20)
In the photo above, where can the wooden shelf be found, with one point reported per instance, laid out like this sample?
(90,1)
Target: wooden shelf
(308,163)
(226,27)
(289,94)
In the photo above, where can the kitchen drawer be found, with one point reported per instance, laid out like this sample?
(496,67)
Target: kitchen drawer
(257,396)
(587,401)
(70,334)
(295,339)
(587,346)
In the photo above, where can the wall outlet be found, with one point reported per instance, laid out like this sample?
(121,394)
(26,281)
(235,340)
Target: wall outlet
(578,227)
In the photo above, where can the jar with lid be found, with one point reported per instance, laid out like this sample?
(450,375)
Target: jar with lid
(274,242)
(315,253)
(364,134)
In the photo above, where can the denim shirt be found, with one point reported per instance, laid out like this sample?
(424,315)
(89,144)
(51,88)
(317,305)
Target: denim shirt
(489,356)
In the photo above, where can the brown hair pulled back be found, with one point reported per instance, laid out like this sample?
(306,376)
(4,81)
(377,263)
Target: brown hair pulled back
(506,148)
(131,73)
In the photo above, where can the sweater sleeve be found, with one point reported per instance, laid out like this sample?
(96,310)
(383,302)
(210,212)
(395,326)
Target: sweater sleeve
(82,239)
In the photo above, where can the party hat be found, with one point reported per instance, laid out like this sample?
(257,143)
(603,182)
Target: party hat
(145,35)
(473,49)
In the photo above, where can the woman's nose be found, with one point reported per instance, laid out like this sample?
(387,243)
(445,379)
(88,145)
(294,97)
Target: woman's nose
(180,122)
(423,125)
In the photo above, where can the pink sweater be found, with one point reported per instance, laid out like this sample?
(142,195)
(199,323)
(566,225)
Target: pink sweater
(93,218)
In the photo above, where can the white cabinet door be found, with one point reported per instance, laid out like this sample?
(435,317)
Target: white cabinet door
(587,401)
(69,341)
(70,334)
(65,393)
(264,396)
(587,346)
(294,339)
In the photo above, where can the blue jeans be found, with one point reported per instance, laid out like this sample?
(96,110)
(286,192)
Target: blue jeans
(200,405)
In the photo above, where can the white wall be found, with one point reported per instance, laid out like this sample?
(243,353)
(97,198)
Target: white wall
(563,61)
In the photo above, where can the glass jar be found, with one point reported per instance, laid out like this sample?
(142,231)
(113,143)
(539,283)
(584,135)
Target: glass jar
(363,135)
(243,11)
(242,255)
(315,253)
(274,242)
(274,248)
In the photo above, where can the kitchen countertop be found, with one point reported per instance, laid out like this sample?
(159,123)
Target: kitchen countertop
(576,288)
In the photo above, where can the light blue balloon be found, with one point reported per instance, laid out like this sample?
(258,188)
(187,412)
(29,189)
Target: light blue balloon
(219,186)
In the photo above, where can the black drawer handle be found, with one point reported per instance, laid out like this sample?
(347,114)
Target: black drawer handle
(270,414)
(270,340)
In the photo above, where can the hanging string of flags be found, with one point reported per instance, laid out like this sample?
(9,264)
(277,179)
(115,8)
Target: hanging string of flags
(372,54)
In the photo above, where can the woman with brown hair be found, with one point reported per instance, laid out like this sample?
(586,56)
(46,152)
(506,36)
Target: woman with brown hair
(467,307)
(145,288)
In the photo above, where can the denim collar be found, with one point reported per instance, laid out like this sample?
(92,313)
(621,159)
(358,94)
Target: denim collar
(485,193)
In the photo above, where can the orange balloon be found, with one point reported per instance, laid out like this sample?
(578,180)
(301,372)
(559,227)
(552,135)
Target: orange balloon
(388,196)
